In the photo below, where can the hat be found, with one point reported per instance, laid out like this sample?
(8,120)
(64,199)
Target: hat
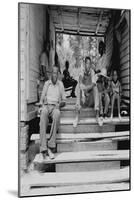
(103,73)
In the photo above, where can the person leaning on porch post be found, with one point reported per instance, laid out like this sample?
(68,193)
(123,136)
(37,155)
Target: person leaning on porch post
(52,99)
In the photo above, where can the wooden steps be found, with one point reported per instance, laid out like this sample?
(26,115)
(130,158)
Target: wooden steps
(86,166)
(34,191)
(71,107)
(86,128)
(93,121)
(90,125)
(97,145)
(70,101)
(85,156)
(77,137)
(85,112)
(30,183)
(115,120)
(62,179)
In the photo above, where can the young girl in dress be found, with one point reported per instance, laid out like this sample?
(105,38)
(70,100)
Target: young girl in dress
(116,90)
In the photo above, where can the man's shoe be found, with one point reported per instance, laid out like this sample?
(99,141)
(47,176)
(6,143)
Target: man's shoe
(73,95)
(41,156)
(105,116)
(50,154)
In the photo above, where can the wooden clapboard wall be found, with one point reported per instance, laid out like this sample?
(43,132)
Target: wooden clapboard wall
(23,58)
(32,33)
(125,59)
(36,34)
(109,43)
(122,28)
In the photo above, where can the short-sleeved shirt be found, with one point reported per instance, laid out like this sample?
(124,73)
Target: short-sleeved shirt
(53,94)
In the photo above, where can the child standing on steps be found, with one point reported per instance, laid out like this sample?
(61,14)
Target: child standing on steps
(116,90)
(103,88)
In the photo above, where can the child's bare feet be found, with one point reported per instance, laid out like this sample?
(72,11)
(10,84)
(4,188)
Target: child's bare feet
(75,123)
(100,121)
(111,117)
(119,117)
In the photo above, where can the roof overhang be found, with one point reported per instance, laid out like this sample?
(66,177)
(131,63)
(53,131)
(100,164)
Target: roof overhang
(80,20)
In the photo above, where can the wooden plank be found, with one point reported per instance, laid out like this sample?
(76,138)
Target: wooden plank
(65,141)
(85,136)
(124,46)
(115,120)
(87,166)
(126,87)
(125,74)
(86,128)
(126,90)
(75,189)
(72,108)
(23,42)
(85,156)
(125,35)
(86,145)
(83,113)
(124,52)
(31,115)
(126,93)
(125,59)
(70,178)
(36,15)
(125,84)
(124,138)
(99,22)
(125,39)
(125,80)
(125,68)
(125,32)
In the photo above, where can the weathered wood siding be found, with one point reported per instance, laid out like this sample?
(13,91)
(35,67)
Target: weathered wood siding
(23,59)
(124,52)
(32,34)
(125,59)
(36,33)
(109,44)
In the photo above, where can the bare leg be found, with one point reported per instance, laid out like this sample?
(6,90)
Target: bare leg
(96,102)
(118,106)
(112,105)
(107,101)
(100,102)
(77,107)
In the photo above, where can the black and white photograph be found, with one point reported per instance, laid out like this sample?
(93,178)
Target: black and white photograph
(74,99)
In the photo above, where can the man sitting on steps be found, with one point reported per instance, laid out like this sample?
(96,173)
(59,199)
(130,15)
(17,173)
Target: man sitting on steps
(87,91)
(68,81)
(52,98)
